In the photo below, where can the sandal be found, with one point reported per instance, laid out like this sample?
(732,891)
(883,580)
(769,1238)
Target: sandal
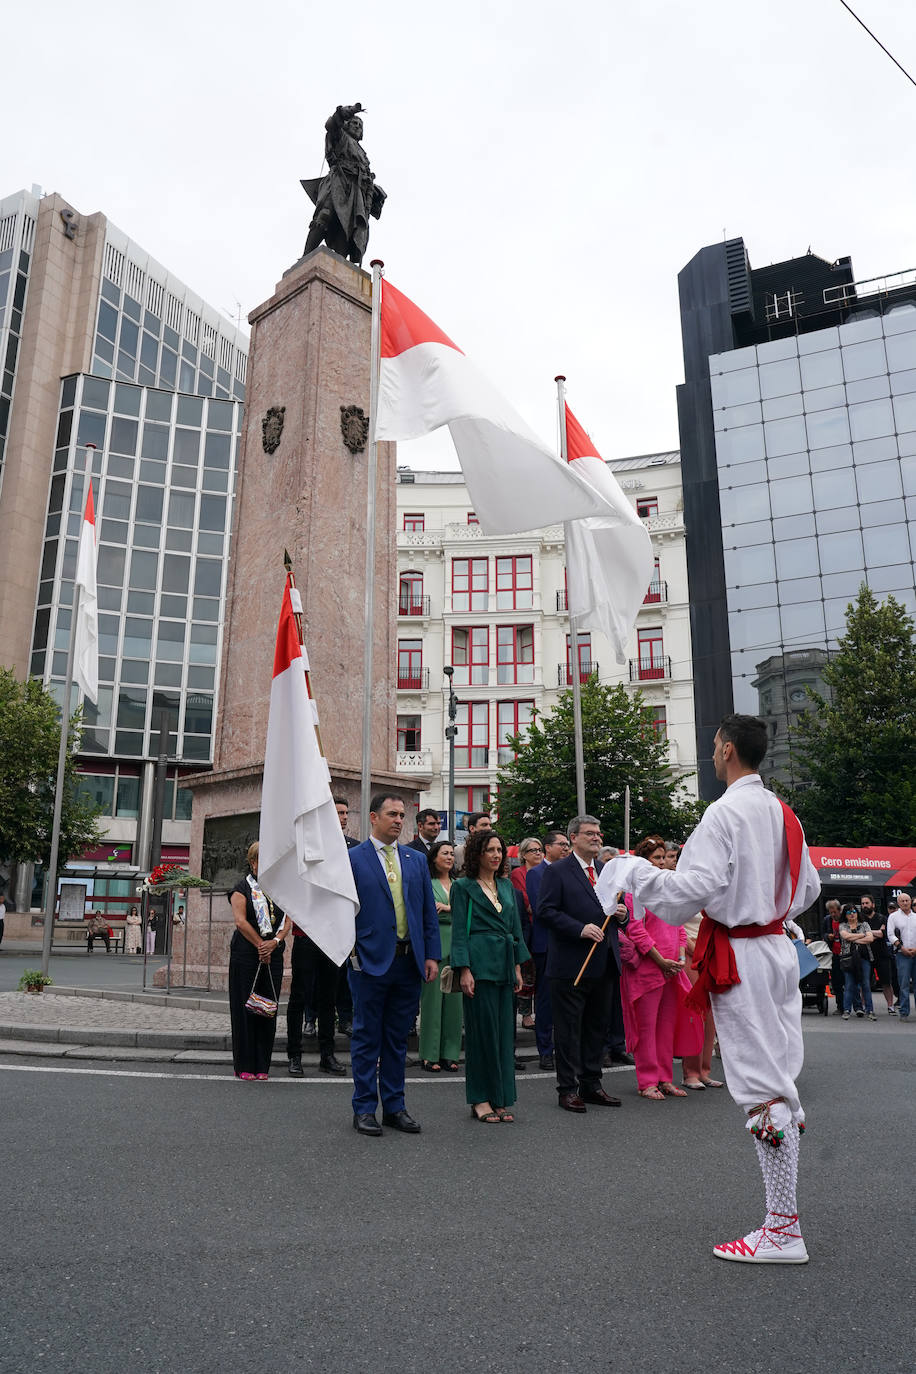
(696,1085)
(711,1083)
(653,1094)
(489,1118)
(503,1114)
(671,1091)
(248,1077)
(527,1022)
(428,1066)
(451,1065)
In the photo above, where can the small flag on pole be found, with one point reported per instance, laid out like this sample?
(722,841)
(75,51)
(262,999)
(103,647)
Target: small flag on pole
(515,481)
(302,861)
(86,646)
(608,556)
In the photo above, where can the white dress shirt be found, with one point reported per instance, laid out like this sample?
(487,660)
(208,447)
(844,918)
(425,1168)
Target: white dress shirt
(380,848)
(735,865)
(902,928)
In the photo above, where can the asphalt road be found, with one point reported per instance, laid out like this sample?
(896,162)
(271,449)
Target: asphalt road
(190,1222)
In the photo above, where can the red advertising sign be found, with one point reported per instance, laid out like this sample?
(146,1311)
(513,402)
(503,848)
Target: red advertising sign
(875,866)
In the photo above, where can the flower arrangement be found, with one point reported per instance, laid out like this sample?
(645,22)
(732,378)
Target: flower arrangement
(169,877)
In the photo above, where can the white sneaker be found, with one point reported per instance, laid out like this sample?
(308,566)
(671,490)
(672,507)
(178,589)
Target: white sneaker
(781,1244)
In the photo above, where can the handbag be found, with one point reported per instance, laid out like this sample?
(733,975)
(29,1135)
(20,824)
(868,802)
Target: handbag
(850,963)
(258,1005)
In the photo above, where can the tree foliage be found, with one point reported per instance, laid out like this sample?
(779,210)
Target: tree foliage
(620,745)
(857,749)
(29,748)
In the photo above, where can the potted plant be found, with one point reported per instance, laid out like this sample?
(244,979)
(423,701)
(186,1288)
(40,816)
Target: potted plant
(33,980)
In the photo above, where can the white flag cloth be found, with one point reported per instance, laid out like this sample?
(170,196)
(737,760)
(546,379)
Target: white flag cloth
(86,646)
(303,863)
(609,556)
(515,481)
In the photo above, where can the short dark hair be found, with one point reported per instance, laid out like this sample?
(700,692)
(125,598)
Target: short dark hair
(747,735)
(475,846)
(433,851)
(378,801)
(427,811)
(473,817)
(342,801)
(551,837)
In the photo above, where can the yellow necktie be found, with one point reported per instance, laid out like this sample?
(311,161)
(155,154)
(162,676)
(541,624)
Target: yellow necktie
(397,891)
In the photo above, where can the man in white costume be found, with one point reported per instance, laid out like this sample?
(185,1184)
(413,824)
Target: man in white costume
(747,866)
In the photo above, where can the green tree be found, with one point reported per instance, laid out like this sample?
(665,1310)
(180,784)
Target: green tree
(538,789)
(857,749)
(29,748)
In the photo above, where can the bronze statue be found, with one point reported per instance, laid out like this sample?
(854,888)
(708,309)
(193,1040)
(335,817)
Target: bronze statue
(347,194)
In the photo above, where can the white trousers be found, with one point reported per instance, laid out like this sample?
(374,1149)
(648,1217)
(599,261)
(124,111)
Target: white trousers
(759,1024)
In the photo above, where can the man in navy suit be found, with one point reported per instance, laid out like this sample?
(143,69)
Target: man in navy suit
(397,948)
(428,827)
(556,847)
(569,908)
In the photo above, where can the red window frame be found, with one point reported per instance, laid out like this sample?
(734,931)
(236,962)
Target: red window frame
(651,651)
(515,582)
(415,522)
(646,507)
(470,584)
(660,721)
(468,799)
(514,653)
(410,663)
(472,518)
(586,662)
(654,594)
(409,735)
(512,718)
(472,742)
(471,659)
(410,593)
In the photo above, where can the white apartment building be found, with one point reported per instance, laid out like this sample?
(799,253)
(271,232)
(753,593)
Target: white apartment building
(495,609)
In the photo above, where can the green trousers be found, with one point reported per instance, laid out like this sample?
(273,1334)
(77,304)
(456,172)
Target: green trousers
(440,1024)
(489,1044)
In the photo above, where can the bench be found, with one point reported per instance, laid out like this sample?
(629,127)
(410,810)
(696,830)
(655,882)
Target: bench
(75,932)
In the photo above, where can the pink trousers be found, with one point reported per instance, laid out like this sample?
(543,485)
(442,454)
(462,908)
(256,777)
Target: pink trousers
(655,1014)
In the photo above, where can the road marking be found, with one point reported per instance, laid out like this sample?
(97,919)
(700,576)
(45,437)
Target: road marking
(326,1079)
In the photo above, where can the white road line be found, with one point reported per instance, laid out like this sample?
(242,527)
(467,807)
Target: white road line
(328,1081)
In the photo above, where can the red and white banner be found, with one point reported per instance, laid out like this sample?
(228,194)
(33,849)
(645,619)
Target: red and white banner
(877,866)
(302,855)
(515,481)
(608,556)
(86,645)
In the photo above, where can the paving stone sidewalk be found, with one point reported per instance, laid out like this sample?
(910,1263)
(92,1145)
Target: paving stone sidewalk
(105,1013)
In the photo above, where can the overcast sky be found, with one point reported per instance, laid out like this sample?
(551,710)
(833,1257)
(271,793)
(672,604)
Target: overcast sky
(550,168)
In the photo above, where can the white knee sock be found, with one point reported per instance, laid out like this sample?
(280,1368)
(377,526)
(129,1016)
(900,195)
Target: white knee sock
(780,1177)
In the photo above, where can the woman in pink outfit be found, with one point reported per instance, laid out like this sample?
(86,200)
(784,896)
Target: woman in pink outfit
(653,987)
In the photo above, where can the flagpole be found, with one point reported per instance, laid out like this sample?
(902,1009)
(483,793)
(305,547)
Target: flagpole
(47,934)
(573,637)
(372,480)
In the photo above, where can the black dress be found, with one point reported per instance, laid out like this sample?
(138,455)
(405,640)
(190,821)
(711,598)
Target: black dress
(252,1036)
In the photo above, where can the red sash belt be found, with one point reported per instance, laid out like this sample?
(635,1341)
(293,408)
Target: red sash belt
(713,957)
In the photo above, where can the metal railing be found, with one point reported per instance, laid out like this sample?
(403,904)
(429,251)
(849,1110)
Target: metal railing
(654,669)
(562,601)
(413,679)
(413,605)
(657,593)
(587,668)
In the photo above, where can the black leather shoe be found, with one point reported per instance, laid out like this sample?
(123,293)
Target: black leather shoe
(329,1064)
(622,1058)
(366,1124)
(346,1029)
(571,1102)
(401,1121)
(520,1066)
(600,1098)
(547,1062)
(310,1030)
(295,1066)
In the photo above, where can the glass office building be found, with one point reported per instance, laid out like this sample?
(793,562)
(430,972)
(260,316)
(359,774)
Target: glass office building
(801,454)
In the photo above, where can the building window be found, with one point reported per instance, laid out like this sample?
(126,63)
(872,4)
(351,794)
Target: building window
(415,522)
(514,584)
(410,593)
(587,665)
(470,584)
(410,663)
(654,595)
(513,718)
(658,720)
(472,742)
(471,655)
(514,653)
(646,507)
(472,518)
(408,734)
(651,655)
(469,799)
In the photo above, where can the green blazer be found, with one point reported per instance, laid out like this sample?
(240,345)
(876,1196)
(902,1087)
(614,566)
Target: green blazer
(487,941)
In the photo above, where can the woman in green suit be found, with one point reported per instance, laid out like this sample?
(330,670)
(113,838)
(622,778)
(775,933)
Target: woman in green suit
(441,1012)
(488,949)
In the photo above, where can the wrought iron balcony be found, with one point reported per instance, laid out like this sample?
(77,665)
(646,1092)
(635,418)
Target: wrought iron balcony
(587,668)
(562,601)
(413,605)
(654,669)
(657,593)
(413,679)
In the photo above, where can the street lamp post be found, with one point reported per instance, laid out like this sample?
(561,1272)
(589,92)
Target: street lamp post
(451,731)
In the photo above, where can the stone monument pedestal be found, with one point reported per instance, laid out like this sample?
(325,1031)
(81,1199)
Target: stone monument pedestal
(300,487)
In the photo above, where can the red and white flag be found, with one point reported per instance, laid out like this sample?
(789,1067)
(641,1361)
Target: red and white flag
(609,556)
(515,481)
(86,646)
(302,859)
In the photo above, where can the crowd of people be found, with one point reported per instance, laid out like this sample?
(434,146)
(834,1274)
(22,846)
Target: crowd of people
(871,953)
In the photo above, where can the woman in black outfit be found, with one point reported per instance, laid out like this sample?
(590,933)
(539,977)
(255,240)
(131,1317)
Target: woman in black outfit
(255,957)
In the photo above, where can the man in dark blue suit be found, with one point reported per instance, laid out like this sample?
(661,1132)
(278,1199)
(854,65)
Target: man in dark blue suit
(556,847)
(397,947)
(572,913)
